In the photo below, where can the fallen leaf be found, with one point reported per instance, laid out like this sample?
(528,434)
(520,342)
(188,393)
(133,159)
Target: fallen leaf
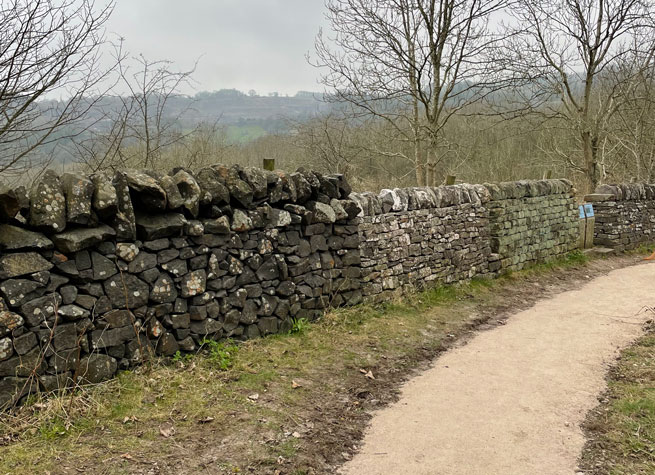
(205,420)
(296,435)
(127,456)
(362,370)
(253,397)
(167,430)
(295,384)
(369,375)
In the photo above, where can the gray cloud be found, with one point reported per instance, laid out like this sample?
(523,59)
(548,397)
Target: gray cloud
(243,44)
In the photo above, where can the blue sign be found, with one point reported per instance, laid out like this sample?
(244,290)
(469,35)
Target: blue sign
(581,209)
(589,210)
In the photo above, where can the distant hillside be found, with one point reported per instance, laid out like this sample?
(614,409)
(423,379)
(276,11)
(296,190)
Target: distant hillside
(233,106)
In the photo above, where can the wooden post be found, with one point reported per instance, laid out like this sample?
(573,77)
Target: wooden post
(450,179)
(582,227)
(589,226)
(269,164)
(548,175)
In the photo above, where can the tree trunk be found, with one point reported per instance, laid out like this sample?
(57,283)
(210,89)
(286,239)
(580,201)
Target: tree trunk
(592,167)
(419,165)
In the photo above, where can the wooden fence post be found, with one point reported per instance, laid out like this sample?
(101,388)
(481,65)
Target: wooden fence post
(269,164)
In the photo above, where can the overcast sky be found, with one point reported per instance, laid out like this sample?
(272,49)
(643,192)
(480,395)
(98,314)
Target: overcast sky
(242,44)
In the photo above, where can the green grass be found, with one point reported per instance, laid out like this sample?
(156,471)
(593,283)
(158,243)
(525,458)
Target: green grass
(242,134)
(622,429)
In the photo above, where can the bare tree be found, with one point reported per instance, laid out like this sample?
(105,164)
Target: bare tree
(143,117)
(46,48)
(569,52)
(411,63)
(330,141)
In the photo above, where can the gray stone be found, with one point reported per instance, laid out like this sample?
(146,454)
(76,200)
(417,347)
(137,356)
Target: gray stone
(105,199)
(83,260)
(155,226)
(187,344)
(40,309)
(55,382)
(22,263)
(78,190)
(117,319)
(6,349)
(124,220)
(47,203)
(10,203)
(163,290)
(75,240)
(175,200)
(72,312)
(194,283)
(9,321)
(177,267)
(268,270)
(268,325)
(212,182)
(189,192)
(323,213)
(149,194)
(231,321)
(127,251)
(207,326)
(103,268)
(167,345)
(239,190)
(96,368)
(303,187)
(279,218)
(194,228)
(68,294)
(241,222)
(157,244)
(17,291)
(217,226)
(86,301)
(249,312)
(12,389)
(142,262)
(13,238)
(167,255)
(65,337)
(126,291)
(256,178)
(111,337)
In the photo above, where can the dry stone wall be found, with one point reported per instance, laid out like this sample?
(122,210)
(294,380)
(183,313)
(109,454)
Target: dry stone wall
(99,273)
(624,215)
(530,222)
(411,238)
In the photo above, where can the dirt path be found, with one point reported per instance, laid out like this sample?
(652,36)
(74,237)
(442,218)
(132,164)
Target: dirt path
(511,401)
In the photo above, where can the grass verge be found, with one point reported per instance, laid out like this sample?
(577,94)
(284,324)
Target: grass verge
(621,430)
(295,403)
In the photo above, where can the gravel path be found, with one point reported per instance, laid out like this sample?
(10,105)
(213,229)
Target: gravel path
(511,401)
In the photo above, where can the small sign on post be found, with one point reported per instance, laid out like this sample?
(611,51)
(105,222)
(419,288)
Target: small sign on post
(450,179)
(586,226)
(582,226)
